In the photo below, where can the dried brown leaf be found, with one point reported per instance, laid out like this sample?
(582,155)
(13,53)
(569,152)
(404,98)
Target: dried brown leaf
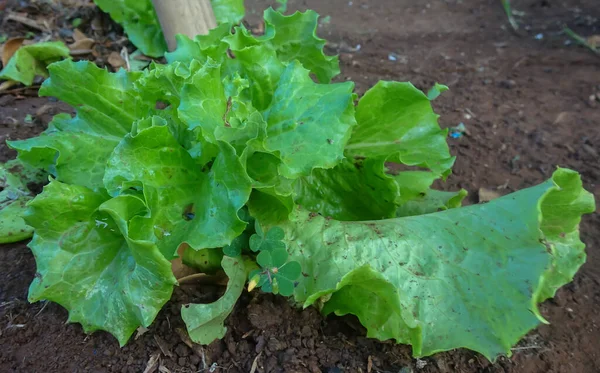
(152,363)
(486,195)
(10,48)
(179,269)
(594,41)
(79,35)
(82,44)
(115,60)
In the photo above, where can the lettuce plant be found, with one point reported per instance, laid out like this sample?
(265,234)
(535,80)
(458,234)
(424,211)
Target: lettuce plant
(241,145)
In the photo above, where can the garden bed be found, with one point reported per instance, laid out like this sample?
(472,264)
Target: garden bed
(526,107)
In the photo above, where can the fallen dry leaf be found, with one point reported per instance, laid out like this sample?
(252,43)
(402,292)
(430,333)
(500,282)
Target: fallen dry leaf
(163,369)
(82,44)
(115,60)
(163,346)
(9,49)
(594,41)
(486,195)
(79,35)
(141,331)
(152,363)
(255,363)
(179,269)
(4,86)
(22,18)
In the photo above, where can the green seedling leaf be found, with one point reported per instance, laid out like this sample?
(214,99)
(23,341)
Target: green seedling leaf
(509,14)
(278,276)
(140,22)
(31,60)
(204,322)
(270,241)
(435,91)
(581,40)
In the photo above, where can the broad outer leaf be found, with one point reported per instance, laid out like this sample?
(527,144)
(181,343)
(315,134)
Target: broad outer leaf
(87,263)
(69,150)
(14,195)
(228,11)
(308,123)
(467,277)
(187,205)
(140,22)
(204,322)
(349,191)
(31,60)
(294,38)
(396,122)
(75,150)
(107,102)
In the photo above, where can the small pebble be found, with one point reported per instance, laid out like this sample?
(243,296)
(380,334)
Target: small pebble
(508,84)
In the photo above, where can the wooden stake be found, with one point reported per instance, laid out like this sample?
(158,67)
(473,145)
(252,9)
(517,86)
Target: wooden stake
(188,17)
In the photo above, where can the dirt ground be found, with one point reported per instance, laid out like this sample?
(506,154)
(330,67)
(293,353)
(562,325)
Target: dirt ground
(527,102)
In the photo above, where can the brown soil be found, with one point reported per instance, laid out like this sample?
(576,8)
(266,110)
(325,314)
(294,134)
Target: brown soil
(526,105)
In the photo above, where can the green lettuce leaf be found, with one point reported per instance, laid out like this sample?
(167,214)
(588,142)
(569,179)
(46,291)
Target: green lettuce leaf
(289,38)
(106,102)
(217,105)
(431,201)
(416,197)
(308,123)
(258,64)
(396,122)
(204,322)
(186,203)
(82,154)
(75,150)
(31,60)
(140,22)
(360,191)
(468,277)
(295,37)
(202,47)
(228,11)
(87,263)
(14,195)
(165,82)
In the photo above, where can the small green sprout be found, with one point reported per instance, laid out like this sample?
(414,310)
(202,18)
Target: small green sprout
(276,275)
